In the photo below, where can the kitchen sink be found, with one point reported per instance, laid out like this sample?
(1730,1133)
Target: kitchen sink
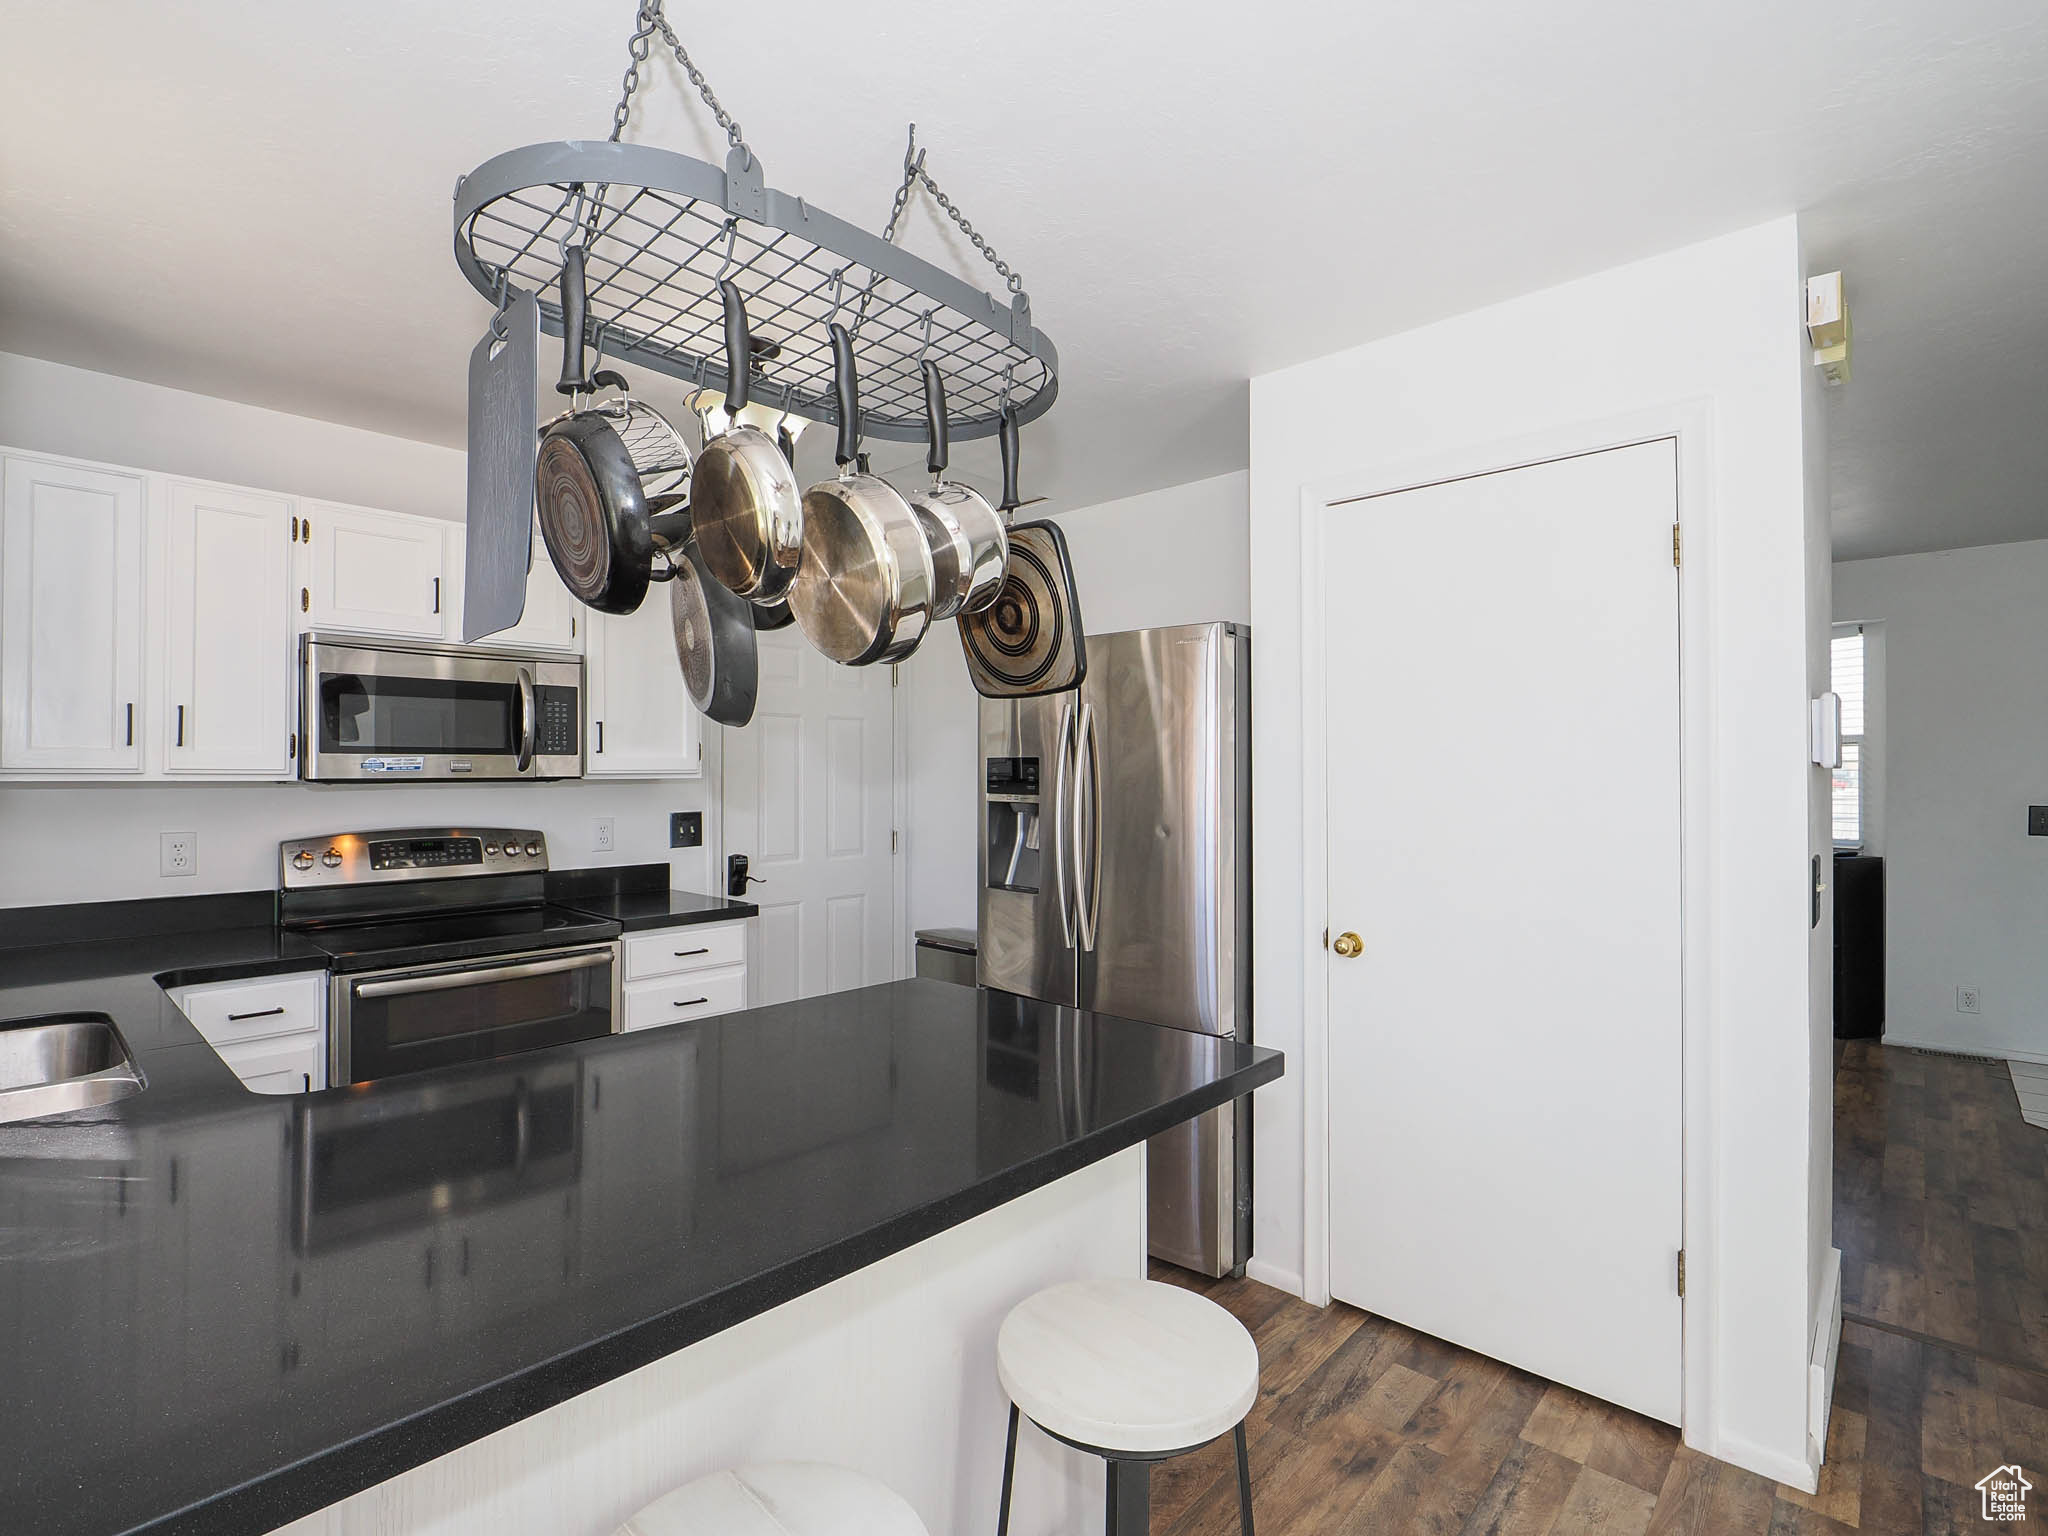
(62,1062)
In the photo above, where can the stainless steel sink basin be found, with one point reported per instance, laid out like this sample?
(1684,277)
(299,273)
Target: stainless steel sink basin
(62,1062)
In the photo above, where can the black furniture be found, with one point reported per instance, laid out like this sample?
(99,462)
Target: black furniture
(1859,946)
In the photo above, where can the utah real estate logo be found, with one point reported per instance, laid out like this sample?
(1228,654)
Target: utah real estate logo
(2005,1494)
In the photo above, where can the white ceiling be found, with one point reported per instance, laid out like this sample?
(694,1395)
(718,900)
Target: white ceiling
(252,200)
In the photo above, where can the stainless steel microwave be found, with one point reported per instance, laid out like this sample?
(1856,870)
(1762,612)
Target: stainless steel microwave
(394,712)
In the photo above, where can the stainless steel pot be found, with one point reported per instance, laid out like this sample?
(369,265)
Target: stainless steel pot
(744,500)
(969,539)
(863,590)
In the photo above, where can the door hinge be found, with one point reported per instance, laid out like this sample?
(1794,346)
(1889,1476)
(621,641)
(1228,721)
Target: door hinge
(1681,1274)
(1677,547)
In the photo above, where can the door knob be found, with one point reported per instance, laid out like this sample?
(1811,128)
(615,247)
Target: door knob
(1349,945)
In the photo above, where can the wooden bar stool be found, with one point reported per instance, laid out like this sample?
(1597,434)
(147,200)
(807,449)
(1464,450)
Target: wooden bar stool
(1134,1372)
(778,1498)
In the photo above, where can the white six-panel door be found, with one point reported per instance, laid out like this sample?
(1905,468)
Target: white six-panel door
(808,797)
(1504,1052)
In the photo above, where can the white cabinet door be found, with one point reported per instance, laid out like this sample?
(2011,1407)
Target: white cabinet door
(228,661)
(375,571)
(71,549)
(639,721)
(553,620)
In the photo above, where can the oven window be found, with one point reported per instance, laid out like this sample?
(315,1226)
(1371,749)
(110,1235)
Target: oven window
(496,1012)
(365,715)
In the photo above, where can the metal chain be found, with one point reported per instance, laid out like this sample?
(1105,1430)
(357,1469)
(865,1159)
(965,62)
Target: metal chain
(913,173)
(646,22)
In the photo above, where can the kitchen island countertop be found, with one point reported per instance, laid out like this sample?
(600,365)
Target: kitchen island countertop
(227,1310)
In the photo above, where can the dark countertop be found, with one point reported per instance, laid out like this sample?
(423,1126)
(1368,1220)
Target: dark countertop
(224,1310)
(637,910)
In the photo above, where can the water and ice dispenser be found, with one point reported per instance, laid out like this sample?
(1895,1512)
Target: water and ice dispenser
(1014,823)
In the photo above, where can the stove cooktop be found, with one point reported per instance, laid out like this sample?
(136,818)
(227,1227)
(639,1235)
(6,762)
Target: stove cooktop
(384,943)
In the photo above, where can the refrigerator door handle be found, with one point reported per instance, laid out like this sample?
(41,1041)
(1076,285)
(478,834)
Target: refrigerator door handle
(1061,819)
(1088,845)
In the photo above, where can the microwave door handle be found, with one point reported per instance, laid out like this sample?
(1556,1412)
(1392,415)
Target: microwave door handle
(444,981)
(528,725)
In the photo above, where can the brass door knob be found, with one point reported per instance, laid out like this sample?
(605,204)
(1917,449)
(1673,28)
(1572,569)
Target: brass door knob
(1349,945)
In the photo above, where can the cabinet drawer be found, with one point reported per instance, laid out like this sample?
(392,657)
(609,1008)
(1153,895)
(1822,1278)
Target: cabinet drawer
(702,948)
(232,1011)
(693,995)
(293,1064)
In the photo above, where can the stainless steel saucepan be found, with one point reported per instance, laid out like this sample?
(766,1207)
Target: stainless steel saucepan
(744,500)
(863,590)
(970,540)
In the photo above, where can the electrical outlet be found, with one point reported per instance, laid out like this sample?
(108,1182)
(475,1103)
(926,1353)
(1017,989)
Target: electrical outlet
(180,854)
(1967,999)
(601,835)
(686,829)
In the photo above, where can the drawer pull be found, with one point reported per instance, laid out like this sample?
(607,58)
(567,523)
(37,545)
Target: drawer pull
(260,1013)
(691,1002)
(684,954)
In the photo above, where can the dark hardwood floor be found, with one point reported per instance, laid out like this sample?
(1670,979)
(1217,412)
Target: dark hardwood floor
(1941,1212)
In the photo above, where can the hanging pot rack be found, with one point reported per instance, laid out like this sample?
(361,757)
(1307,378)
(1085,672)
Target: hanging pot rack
(659,228)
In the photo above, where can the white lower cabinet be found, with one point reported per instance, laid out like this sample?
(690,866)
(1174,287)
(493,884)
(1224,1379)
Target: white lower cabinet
(228,675)
(71,607)
(272,1032)
(677,974)
(639,722)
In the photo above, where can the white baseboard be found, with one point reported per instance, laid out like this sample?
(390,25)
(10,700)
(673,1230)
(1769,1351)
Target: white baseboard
(1789,1470)
(1272,1274)
(1820,1368)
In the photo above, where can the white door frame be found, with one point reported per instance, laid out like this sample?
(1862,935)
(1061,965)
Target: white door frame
(1690,425)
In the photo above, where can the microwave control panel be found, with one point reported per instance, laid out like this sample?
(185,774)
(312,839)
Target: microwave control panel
(554,727)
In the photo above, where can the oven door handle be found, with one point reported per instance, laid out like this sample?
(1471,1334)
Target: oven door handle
(528,723)
(444,981)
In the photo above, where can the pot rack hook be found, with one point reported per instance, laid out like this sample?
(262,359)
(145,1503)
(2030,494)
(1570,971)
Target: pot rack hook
(732,233)
(501,296)
(838,283)
(925,346)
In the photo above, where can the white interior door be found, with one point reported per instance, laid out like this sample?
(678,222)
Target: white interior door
(1502,716)
(809,796)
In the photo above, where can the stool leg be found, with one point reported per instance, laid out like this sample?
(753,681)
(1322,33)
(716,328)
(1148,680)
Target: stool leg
(1129,1501)
(1009,1474)
(1244,1481)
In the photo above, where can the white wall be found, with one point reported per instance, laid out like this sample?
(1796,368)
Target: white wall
(99,842)
(1965,752)
(1176,556)
(1711,333)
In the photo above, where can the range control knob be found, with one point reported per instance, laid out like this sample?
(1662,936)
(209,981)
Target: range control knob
(331,858)
(533,849)
(511,850)
(490,850)
(303,859)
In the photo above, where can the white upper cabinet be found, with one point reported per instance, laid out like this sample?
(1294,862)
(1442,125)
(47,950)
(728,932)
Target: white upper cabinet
(553,620)
(375,571)
(228,616)
(639,721)
(71,606)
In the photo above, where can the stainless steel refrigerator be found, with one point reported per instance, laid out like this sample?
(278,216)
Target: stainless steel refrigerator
(1116,876)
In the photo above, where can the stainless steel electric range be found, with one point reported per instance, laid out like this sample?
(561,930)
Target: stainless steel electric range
(444,947)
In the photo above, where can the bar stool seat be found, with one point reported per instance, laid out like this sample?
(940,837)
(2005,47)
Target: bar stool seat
(778,1498)
(1133,1371)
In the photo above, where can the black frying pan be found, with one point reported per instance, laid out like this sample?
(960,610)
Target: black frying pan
(714,641)
(1028,641)
(593,510)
